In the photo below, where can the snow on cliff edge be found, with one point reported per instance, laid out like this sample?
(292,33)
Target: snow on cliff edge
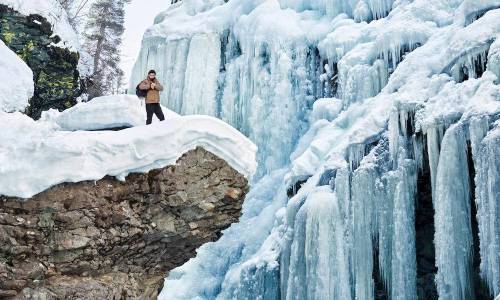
(37,155)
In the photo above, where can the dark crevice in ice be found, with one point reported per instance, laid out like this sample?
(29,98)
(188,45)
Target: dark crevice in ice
(330,84)
(315,69)
(295,187)
(480,288)
(380,292)
(424,234)
(393,62)
(469,64)
(328,178)
(474,16)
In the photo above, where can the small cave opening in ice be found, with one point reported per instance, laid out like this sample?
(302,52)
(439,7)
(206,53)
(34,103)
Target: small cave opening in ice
(476,15)
(471,64)
(396,54)
(381,292)
(329,79)
(265,57)
(293,189)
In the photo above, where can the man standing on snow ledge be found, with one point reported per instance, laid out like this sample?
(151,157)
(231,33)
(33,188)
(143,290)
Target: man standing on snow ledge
(153,88)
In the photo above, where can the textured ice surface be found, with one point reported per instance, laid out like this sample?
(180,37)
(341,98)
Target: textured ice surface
(355,97)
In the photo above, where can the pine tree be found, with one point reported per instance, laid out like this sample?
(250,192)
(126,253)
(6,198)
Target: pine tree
(76,11)
(103,37)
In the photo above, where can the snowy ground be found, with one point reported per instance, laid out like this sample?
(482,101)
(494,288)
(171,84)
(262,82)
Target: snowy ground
(106,112)
(37,155)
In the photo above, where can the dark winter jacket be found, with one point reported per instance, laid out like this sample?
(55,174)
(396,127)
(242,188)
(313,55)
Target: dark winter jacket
(153,95)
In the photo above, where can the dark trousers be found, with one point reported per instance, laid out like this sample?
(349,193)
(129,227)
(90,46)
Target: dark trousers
(153,108)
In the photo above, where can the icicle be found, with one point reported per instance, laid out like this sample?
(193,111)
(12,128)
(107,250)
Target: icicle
(343,192)
(486,152)
(434,136)
(380,8)
(297,265)
(385,216)
(292,210)
(453,237)
(327,273)
(202,71)
(471,64)
(363,222)
(494,59)
(418,150)
(403,265)
(361,81)
(355,154)
(394,136)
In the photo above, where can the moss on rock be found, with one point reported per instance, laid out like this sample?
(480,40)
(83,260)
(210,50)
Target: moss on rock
(55,70)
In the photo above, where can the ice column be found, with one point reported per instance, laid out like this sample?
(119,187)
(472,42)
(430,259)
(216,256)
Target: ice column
(201,75)
(487,165)
(363,224)
(453,236)
(318,265)
(403,270)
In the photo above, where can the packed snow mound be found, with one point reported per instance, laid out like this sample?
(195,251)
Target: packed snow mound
(15,91)
(107,112)
(54,13)
(36,155)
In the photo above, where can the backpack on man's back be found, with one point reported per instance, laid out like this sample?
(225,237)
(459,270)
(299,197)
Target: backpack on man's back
(140,93)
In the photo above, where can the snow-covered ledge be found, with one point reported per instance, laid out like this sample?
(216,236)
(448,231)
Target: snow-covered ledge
(37,155)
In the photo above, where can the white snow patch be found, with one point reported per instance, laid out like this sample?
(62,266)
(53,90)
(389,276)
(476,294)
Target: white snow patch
(16,81)
(104,112)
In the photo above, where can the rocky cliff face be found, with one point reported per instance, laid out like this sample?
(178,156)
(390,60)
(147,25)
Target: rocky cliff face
(55,69)
(115,240)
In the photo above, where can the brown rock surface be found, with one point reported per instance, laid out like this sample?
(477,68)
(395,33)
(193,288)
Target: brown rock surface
(115,240)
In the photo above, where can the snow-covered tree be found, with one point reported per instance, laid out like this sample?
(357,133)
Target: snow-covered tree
(76,10)
(103,37)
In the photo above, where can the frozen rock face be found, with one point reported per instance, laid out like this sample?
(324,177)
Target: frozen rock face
(110,239)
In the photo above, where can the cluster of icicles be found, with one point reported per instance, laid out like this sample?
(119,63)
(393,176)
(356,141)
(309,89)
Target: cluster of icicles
(363,223)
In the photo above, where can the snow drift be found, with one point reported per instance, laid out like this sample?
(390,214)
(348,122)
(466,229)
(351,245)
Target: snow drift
(107,112)
(37,155)
(14,94)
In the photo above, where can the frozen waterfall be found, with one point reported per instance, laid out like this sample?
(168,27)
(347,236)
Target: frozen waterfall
(378,127)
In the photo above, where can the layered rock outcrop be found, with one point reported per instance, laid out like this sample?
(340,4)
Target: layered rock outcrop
(115,240)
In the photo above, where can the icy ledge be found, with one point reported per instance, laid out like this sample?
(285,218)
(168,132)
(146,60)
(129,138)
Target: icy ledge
(36,155)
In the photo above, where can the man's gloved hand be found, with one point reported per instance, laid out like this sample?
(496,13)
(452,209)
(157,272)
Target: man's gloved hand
(153,85)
